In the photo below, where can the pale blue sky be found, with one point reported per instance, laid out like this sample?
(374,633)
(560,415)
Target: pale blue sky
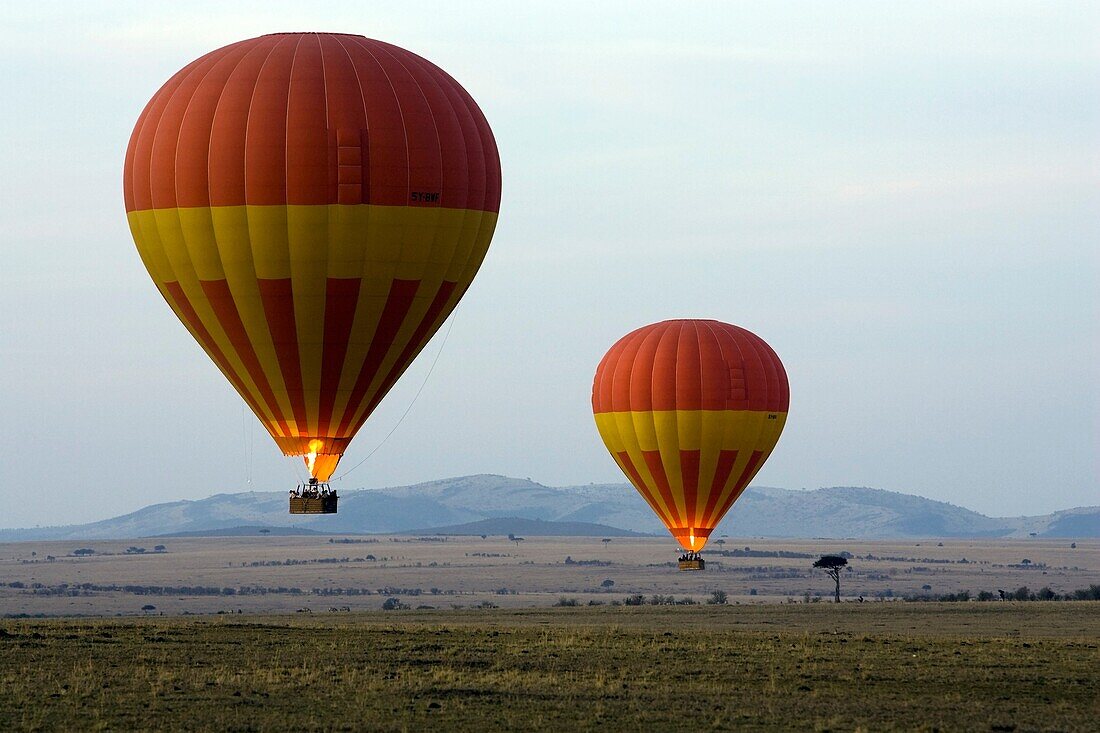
(903,201)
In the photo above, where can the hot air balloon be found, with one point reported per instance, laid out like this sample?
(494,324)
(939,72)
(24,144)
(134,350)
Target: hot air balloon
(312,206)
(690,410)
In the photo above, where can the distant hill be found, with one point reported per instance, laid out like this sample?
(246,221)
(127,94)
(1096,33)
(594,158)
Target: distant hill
(457,503)
(845,511)
(528,527)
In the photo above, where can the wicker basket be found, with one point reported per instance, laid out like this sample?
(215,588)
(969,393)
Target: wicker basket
(313,504)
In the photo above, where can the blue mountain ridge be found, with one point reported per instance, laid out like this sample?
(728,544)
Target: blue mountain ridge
(848,512)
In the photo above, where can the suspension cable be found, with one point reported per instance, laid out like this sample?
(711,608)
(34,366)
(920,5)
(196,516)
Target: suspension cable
(446,336)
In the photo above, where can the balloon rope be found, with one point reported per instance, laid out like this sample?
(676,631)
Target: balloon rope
(244,443)
(446,336)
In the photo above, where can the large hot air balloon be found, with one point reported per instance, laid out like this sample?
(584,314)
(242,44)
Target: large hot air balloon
(690,410)
(312,206)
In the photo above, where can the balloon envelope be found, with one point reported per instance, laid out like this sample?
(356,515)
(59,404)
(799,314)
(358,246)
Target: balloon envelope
(690,410)
(312,206)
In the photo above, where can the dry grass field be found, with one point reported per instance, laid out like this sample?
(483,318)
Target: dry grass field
(880,666)
(287,633)
(284,574)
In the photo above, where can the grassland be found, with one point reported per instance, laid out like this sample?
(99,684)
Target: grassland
(284,574)
(875,666)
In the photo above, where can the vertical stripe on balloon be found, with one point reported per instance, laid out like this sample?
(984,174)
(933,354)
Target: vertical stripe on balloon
(398,302)
(225,310)
(187,313)
(418,341)
(341,300)
(278,302)
(636,478)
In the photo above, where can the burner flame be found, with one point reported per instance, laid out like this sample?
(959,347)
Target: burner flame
(315,445)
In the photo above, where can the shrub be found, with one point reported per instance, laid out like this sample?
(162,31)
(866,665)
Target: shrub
(960,597)
(635,600)
(394,604)
(563,601)
(1092,593)
(719,598)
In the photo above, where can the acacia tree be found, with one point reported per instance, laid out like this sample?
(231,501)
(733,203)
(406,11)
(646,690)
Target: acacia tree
(832,564)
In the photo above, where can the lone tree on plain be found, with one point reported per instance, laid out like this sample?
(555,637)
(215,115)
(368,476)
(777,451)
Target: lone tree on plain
(832,565)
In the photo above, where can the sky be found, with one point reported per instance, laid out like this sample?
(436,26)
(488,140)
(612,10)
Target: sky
(903,200)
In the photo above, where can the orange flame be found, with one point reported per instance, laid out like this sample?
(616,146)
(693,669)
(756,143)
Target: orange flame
(315,445)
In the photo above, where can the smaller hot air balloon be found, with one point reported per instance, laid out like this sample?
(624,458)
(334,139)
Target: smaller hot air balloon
(690,410)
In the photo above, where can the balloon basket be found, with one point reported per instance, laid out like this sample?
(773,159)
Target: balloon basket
(313,498)
(693,564)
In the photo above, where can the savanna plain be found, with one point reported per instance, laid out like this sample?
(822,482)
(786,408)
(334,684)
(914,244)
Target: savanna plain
(288,633)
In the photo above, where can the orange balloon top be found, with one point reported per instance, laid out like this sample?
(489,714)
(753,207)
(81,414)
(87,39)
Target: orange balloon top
(256,122)
(690,364)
